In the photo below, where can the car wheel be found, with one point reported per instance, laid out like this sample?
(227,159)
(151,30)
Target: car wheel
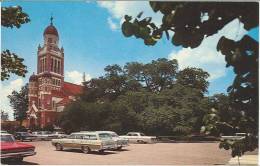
(101,151)
(85,149)
(59,147)
(141,141)
(119,148)
(19,159)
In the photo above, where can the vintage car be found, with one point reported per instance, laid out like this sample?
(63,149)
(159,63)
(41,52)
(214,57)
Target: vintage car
(120,142)
(24,136)
(10,149)
(3,131)
(137,137)
(44,135)
(86,141)
(59,134)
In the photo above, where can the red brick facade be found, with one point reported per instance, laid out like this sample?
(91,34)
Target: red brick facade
(48,93)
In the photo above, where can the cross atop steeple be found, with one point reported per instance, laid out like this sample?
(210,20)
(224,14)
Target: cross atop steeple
(51,19)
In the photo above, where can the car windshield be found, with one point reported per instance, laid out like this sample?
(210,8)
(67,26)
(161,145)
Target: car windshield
(114,135)
(46,132)
(104,136)
(142,134)
(26,134)
(7,138)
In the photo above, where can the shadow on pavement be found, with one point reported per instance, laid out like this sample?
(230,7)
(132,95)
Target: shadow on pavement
(92,152)
(18,163)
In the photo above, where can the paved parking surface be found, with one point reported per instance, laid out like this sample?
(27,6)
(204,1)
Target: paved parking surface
(159,153)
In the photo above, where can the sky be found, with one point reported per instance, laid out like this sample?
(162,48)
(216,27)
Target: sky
(92,39)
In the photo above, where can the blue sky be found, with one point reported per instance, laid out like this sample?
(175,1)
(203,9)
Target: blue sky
(91,36)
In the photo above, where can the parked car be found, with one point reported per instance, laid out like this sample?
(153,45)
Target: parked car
(86,141)
(3,131)
(120,142)
(24,136)
(10,149)
(137,137)
(59,134)
(44,135)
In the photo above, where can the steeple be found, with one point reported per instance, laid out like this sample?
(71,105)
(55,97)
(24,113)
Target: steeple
(84,77)
(51,20)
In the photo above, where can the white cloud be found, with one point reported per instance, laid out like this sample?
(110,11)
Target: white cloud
(118,9)
(7,90)
(206,56)
(76,77)
(113,26)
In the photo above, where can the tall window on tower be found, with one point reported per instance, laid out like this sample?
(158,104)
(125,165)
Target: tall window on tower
(59,67)
(43,64)
(56,65)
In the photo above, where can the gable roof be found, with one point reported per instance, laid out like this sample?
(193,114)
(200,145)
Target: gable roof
(64,101)
(72,89)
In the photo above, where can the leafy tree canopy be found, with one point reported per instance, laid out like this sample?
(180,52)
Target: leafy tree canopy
(19,102)
(151,97)
(191,23)
(10,62)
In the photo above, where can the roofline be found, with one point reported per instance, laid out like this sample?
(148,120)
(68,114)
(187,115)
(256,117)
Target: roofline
(73,83)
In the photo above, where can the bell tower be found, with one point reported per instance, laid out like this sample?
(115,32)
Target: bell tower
(50,67)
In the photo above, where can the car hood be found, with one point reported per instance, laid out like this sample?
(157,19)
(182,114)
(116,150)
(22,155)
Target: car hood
(119,139)
(14,145)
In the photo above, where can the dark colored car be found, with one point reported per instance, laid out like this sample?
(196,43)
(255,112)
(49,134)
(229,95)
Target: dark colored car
(10,149)
(24,136)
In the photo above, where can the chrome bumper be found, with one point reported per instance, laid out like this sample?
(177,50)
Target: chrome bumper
(17,154)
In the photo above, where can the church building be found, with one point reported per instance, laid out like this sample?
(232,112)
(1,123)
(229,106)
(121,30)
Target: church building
(48,92)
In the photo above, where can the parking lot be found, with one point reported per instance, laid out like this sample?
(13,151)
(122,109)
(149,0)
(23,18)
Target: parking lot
(159,153)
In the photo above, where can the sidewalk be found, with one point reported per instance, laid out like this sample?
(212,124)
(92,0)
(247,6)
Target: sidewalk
(244,160)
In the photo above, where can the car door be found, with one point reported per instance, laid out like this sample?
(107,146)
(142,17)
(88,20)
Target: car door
(68,142)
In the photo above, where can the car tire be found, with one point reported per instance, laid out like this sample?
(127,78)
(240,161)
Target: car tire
(101,151)
(59,147)
(20,159)
(119,148)
(141,142)
(85,149)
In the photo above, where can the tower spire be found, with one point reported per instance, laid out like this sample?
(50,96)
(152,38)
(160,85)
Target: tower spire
(84,77)
(51,19)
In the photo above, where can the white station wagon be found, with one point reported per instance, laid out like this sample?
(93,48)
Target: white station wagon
(137,137)
(86,141)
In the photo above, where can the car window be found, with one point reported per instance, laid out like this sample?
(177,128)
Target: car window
(90,137)
(104,136)
(129,134)
(114,135)
(25,134)
(7,138)
(71,136)
(134,134)
(79,136)
(142,134)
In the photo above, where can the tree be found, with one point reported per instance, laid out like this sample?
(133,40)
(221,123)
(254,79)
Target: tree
(207,19)
(4,115)
(140,97)
(19,102)
(11,62)
(157,75)
(194,78)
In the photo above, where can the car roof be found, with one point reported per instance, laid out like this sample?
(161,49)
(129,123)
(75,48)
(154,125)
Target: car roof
(5,134)
(85,132)
(106,132)
(133,132)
